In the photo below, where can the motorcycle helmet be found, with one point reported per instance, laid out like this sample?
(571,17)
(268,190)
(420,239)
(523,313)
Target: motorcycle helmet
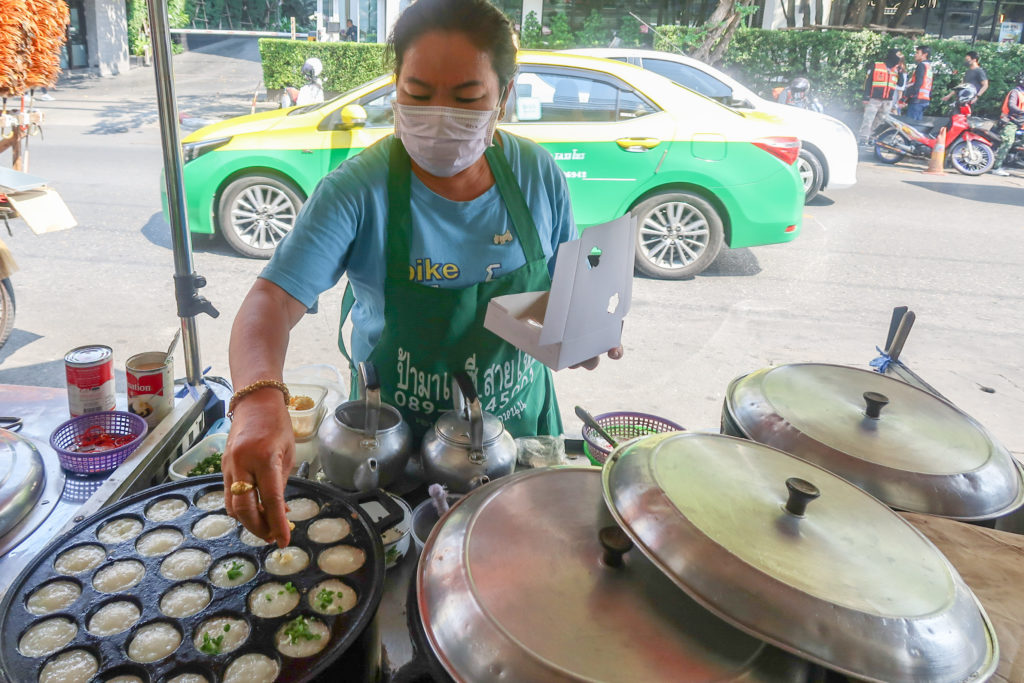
(967,94)
(312,68)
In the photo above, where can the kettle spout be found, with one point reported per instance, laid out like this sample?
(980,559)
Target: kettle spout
(367,475)
(478,481)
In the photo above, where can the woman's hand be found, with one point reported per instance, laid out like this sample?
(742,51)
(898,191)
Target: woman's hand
(614,354)
(259,452)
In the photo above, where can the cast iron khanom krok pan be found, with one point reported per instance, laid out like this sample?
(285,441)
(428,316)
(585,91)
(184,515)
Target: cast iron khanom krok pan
(111,651)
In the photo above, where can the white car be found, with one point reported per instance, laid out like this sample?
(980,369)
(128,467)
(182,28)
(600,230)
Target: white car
(829,155)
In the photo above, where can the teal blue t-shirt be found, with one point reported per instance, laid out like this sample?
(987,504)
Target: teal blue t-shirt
(342,228)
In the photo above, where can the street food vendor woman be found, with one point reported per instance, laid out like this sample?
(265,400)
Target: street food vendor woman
(429,225)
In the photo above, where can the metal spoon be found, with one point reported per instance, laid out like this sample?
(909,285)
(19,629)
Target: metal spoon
(174,345)
(589,420)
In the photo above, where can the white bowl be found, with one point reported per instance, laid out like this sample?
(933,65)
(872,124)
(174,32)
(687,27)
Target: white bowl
(215,443)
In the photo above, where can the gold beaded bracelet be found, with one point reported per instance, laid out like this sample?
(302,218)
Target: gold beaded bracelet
(254,387)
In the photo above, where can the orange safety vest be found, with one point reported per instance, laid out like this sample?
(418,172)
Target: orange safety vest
(925,92)
(1019,102)
(883,80)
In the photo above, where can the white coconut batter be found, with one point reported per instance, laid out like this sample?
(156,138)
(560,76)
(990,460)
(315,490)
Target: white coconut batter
(80,559)
(273,600)
(252,668)
(249,538)
(302,637)
(73,666)
(185,564)
(166,510)
(153,642)
(213,526)
(185,600)
(301,509)
(159,542)
(328,530)
(119,530)
(46,637)
(332,597)
(232,571)
(189,678)
(284,561)
(214,500)
(114,618)
(53,597)
(341,560)
(220,635)
(118,576)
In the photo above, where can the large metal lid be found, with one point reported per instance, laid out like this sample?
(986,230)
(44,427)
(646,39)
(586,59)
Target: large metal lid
(910,449)
(512,587)
(837,578)
(22,477)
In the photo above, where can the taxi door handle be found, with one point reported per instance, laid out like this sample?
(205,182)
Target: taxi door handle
(638,144)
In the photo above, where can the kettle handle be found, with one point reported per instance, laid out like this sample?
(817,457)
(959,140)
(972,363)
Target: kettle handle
(476,416)
(369,383)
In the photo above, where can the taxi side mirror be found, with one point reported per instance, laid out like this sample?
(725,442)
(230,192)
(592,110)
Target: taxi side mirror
(352,116)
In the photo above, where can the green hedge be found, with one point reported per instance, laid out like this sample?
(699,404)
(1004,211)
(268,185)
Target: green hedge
(346,65)
(836,62)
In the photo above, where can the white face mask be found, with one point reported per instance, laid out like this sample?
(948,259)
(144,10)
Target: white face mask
(444,140)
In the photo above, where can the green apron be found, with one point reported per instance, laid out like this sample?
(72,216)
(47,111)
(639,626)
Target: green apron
(431,332)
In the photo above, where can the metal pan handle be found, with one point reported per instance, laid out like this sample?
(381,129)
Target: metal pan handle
(395,512)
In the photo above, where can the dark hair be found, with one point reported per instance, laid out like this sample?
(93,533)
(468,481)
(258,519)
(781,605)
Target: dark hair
(973,55)
(926,50)
(892,58)
(480,21)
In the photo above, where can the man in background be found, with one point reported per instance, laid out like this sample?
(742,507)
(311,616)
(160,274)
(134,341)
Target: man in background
(877,93)
(919,91)
(351,32)
(974,75)
(1010,120)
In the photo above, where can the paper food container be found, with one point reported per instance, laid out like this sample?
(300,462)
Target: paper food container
(581,316)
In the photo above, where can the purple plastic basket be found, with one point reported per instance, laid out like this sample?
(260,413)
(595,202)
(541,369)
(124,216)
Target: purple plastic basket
(623,426)
(116,423)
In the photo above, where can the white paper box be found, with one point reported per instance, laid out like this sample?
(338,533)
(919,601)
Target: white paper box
(581,317)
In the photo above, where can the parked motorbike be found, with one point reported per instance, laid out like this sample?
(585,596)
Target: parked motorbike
(969,147)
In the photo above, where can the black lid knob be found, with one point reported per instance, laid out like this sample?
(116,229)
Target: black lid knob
(801,492)
(874,402)
(615,543)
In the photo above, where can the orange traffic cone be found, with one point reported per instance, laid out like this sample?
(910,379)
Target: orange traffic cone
(938,158)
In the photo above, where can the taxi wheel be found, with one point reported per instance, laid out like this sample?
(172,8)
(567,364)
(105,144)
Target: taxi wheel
(255,212)
(678,235)
(811,174)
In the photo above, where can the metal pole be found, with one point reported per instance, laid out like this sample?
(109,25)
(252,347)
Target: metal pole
(181,240)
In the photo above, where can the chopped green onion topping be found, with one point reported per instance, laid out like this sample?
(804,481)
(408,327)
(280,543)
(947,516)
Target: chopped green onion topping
(290,588)
(325,598)
(227,627)
(298,629)
(235,570)
(211,646)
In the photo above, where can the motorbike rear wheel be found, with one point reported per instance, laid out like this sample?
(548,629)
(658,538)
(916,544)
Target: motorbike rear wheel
(975,159)
(6,309)
(884,141)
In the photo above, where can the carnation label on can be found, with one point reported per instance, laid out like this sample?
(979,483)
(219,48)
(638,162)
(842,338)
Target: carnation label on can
(150,386)
(90,377)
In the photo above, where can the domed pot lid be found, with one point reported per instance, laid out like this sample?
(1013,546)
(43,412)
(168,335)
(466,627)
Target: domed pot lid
(907,447)
(800,558)
(22,477)
(514,585)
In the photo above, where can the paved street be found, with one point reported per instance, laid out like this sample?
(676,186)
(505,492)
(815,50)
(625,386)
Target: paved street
(950,247)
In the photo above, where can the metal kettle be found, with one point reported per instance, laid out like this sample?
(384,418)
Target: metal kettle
(365,444)
(467,447)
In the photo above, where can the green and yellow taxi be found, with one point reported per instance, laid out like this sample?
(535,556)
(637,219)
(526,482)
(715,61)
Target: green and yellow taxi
(696,173)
